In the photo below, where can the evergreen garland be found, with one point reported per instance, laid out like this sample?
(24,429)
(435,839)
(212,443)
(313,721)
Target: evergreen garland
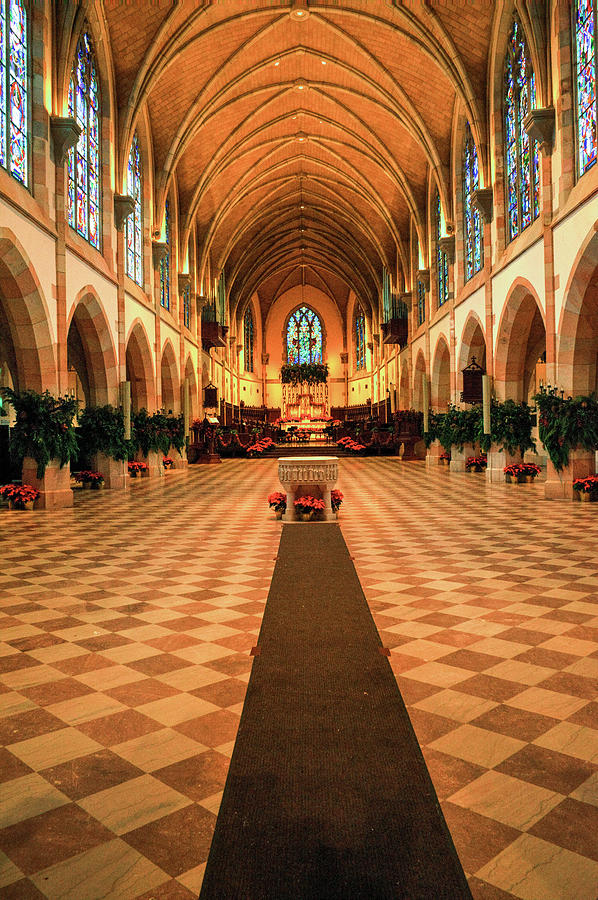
(102,430)
(566,423)
(43,429)
(304,373)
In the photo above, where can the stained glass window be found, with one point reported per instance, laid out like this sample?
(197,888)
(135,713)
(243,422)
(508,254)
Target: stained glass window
(14,86)
(187,306)
(83,161)
(248,340)
(359,338)
(165,263)
(441,258)
(585,66)
(304,337)
(522,164)
(421,302)
(134,226)
(474,250)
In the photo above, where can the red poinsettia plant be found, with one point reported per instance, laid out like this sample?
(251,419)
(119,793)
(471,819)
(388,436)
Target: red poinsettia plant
(587,485)
(135,467)
(308,504)
(18,494)
(518,470)
(261,445)
(168,462)
(336,498)
(277,500)
(86,477)
(476,462)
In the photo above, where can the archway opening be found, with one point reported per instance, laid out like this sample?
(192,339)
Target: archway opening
(140,370)
(90,355)
(170,381)
(521,348)
(441,377)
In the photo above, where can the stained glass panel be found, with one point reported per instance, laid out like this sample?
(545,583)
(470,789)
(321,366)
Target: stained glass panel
(421,303)
(165,263)
(248,340)
(187,306)
(83,161)
(441,261)
(585,28)
(304,337)
(134,222)
(359,339)
(14,83)
(473,225)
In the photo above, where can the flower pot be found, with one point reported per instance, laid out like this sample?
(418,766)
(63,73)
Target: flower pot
(306,516)
(278,513)
(21,504)
(133,474)
(530,479)
(97,486)
(587,496)
(86,485)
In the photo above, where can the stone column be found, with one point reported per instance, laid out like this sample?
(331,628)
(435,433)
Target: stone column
(113,471)
(433,453)
(559,485)
(459,457)
(497,460)
(54,486)
(154,464)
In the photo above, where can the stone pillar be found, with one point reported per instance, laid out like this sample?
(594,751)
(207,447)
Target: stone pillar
(459,457)
(559,485)
(497,460)
(180,462)
(54,487)
(433,453)
(154,464)
(113,470)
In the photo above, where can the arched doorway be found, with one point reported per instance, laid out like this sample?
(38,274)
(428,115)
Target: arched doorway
(91,359)
(521,346)
(171,393)
(441,377)
(140,370)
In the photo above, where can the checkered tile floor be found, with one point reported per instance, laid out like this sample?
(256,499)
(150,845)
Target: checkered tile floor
(126,625)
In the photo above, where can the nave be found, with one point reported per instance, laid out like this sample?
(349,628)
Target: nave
(126,656)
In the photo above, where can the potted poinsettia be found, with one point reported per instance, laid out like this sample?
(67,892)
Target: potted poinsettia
(168,462)
(19,496)
(304,507)
(278,502)
(136,468)
(336,498)
(587,488)
(517,473)
(476,463)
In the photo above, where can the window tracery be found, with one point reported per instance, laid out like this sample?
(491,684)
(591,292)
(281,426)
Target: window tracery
(441,259)
(522,165)
(360,357)
(83,161)
(134,222)
(584,27)
(304,337)
(248,334)
(14,89)
(474,250)
(165,262)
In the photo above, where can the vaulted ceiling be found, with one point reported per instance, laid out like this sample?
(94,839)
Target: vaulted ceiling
(300,136)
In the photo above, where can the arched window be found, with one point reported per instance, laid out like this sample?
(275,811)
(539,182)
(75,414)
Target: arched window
(134,233)
(359,338)
(14,87)
(585,68)
(421,302)
(83,161)
(165,263)
(248,339)
(474,250)
(187,306)
(304,337)
(522,166)
(441,257)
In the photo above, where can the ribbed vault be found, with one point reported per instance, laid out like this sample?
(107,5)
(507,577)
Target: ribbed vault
(300,140)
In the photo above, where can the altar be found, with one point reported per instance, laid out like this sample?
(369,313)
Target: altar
(305,402)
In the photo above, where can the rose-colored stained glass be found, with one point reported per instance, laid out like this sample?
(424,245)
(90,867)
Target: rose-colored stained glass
(83,162)
(585,59)
(14,83)
(304,337)
(134,222)
(474,254)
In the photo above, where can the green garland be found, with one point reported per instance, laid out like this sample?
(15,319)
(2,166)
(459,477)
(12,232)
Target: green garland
(566,423)
(304,373)
(454,428)
(102,430)
(156,433)
(43,429)
(510,427)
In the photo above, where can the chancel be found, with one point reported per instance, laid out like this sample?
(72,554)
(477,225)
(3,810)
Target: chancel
(298,449)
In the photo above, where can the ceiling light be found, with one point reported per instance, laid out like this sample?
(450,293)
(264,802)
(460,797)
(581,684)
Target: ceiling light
(301,136)
(302,206)
(277,63)
(323,62)
(299,11)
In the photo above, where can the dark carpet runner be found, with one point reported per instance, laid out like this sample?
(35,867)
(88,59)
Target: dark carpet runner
(328,795)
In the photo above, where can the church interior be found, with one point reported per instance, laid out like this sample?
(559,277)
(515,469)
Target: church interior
(235,232)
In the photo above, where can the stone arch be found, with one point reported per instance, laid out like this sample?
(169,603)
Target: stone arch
(193,399)
(520,343)
(90,350)
(140,369)
(577,354)
(419,375)
(441,376)
(170,380)
(26,341)
(473,344)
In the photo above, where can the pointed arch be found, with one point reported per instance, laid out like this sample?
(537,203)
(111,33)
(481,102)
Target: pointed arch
(134,222)
(140,368)
(169,377)
(521,341)
(577,353)
(304,336)
(440,394)
(90,347)
(473,343)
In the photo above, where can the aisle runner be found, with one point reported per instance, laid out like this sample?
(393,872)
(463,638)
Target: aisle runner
(327,795)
